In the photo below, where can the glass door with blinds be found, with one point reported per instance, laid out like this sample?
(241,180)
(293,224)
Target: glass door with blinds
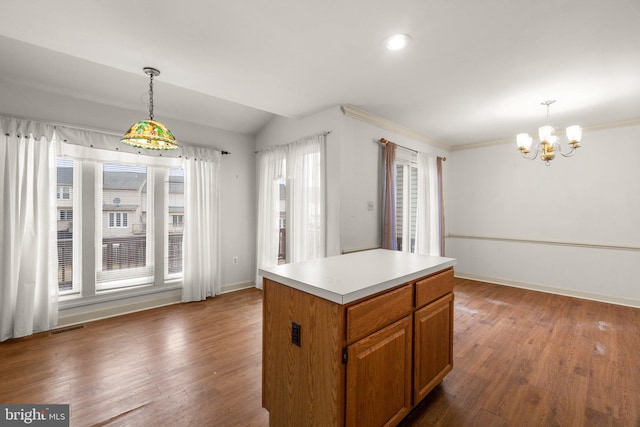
(406,200)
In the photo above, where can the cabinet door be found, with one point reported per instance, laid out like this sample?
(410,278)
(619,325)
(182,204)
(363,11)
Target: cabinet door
(379,376)
(433,346)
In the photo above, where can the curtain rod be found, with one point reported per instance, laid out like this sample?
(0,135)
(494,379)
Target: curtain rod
(384,141)
(88,129)
(223,152)
(323,133)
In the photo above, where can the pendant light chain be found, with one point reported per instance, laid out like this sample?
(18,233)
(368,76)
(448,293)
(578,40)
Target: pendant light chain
(151,96)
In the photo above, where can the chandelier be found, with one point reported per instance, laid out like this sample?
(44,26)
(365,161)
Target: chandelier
(150,134)
(548,145)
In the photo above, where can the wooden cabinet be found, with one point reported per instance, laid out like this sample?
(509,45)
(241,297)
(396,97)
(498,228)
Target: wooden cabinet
(379,370)
(433,345)
(372,314)
(365,363)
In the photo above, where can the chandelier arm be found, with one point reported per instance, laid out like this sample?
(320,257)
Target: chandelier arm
(569,154)
(534,155)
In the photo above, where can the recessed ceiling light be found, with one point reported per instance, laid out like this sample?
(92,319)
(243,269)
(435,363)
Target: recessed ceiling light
(397,42)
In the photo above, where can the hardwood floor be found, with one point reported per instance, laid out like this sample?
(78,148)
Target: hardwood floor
(520,358)
(525,358)
(195,364)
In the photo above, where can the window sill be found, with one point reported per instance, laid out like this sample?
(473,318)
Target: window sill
(82,310)
(76,300)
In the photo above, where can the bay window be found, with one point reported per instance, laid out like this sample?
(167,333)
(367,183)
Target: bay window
(109,238)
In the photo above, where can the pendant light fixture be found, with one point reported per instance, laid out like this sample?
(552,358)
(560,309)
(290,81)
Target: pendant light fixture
(150,134)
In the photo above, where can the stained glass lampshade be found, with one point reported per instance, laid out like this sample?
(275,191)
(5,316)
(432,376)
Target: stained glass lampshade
(150,135)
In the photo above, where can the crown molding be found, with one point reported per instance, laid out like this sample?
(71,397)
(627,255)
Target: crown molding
(596,127)
(381,122)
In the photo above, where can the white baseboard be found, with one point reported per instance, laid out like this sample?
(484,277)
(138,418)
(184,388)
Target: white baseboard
(102,310)
(231,287)
(103,313)
(552,290)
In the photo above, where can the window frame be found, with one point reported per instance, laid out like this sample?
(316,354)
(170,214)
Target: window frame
(110,279)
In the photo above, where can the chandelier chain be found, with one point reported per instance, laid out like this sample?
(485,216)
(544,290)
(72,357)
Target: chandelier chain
(548,104)
(151,96)
(547,113)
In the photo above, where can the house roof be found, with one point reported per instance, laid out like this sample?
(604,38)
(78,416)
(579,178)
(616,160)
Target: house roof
(176,184)
(123,180)
(64,176)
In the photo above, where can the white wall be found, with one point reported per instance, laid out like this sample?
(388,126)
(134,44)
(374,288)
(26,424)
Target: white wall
(237,170)
(588,202)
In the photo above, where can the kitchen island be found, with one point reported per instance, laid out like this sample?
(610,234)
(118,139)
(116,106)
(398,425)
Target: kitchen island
(356,339)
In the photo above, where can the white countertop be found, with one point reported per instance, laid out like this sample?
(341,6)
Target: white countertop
(347,278)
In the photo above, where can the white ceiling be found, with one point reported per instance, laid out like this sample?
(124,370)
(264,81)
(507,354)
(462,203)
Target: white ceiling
(476,70)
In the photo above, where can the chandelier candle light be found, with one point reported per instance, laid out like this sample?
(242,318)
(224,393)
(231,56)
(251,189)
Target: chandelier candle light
(548,141)
(150,134)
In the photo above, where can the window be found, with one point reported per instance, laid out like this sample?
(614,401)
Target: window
(406,200)
(124,251)
(118,219)
(64,178)
(282,220)
(127,248)
(175,209)
(63,193)
(65,215)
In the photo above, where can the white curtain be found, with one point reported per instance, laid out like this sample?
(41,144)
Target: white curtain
(28,283)
(302,166)
(427,217)
(271,169)
(305,174)
(201,241)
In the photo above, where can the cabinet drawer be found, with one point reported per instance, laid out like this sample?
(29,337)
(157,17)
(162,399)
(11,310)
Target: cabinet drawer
(372,314)
(433,287)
